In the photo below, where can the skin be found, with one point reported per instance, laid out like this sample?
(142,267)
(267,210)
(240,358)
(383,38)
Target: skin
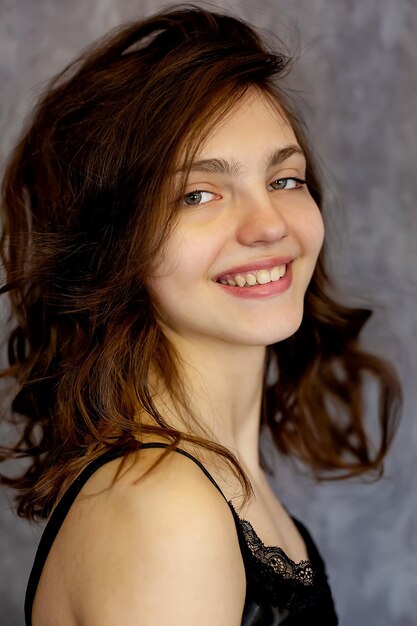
(222,339)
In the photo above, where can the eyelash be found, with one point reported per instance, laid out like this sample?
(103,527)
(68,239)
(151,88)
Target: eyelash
(300,182)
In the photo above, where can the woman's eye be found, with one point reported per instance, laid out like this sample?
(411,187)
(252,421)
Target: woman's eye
(197,197)
(290,182)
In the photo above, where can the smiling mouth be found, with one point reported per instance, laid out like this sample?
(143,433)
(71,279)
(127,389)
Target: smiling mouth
(255,277)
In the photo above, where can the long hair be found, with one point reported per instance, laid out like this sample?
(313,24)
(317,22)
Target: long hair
(87,206)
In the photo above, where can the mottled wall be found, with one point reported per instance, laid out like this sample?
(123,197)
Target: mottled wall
(359,76)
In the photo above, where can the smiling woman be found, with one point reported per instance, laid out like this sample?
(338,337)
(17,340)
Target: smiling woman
(163,247)
(240,225)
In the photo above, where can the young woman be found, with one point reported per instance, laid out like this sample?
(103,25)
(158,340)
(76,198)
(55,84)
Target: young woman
(163,243)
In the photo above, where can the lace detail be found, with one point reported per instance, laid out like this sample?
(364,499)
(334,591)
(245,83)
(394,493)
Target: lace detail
(276,558)
(273,577)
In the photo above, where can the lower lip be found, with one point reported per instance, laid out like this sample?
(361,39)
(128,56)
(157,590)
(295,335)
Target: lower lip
(261,291)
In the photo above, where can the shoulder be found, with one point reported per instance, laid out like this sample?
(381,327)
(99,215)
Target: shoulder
(160,549)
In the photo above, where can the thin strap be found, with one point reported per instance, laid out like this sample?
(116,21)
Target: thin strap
(58,515)
(190,456)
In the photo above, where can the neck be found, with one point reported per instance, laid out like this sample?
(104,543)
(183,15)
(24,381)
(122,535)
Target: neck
(224,384)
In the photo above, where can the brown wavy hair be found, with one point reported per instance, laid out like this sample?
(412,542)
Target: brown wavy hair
(87,205)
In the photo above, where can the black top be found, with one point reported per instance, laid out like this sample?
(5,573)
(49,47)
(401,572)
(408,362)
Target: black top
(278,591)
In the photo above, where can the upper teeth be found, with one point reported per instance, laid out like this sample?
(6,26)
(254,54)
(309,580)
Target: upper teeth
(260,277)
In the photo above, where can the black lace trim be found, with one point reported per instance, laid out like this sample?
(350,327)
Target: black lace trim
(273,577)
(276,558)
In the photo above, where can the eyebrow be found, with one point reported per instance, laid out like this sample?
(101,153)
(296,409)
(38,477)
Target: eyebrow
(234,168)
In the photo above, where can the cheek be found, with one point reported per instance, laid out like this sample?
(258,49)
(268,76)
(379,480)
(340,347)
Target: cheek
(186,261)
(319,231)
(178,288)
(312,230)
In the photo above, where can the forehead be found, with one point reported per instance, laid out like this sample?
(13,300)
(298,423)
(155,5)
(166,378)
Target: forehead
(255,121)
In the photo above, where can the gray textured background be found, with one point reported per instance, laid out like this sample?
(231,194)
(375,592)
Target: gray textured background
(359,76)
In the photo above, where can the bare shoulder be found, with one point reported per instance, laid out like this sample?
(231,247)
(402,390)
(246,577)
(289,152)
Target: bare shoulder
(156,550)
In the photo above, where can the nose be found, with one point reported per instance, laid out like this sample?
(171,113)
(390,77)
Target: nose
(261,221)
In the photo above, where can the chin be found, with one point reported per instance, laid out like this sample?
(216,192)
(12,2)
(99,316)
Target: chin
(263,338)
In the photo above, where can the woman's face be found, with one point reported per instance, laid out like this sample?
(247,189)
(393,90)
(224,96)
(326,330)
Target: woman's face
(242,217)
